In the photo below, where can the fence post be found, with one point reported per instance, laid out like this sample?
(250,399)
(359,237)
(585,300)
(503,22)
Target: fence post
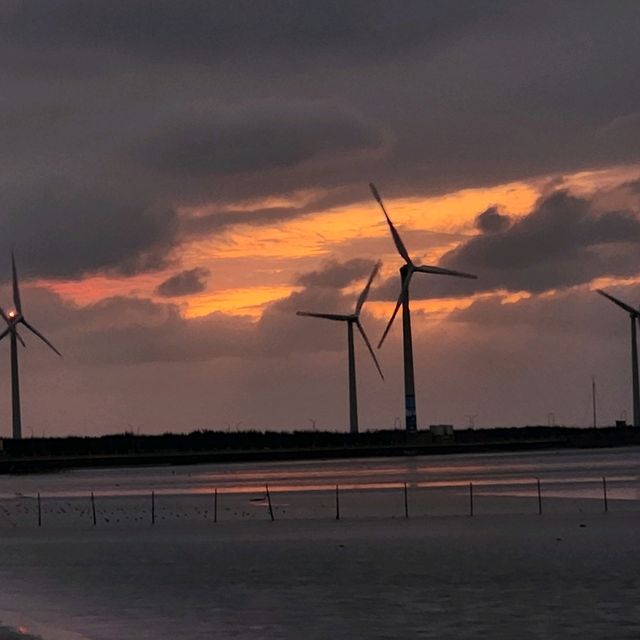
(604,494)
(406,501)
(153,507)
(39,511)
(471,499)
(93,509)
(337,502)
(269,502)
(215,505)
(539,497)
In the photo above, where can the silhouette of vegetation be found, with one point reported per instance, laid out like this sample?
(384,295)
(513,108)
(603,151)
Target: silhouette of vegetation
(41,454)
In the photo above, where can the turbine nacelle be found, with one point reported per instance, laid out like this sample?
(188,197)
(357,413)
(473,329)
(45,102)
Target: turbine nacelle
(11,317)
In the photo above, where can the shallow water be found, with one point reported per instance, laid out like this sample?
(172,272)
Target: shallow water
(507,572)
(565,471)
(504,577)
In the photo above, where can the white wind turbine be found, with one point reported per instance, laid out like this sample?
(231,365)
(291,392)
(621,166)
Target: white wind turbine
(13,318)
(406,273)
(351,320)
(634,315)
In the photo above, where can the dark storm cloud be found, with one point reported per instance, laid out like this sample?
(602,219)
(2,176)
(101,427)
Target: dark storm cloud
(184,283)
(337,275)
(562,243)
(154,106)
(203,29)
(265,137)
(492,220)
(215,222)
(62,230)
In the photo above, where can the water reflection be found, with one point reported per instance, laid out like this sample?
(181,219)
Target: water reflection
(563,472)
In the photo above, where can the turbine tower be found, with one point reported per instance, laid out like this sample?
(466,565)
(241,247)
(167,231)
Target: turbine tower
(13,318)
(406,272)
(351,320)
(634,315)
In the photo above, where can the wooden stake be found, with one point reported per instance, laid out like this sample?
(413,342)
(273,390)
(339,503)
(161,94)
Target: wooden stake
(269,502)
(93,509)
(604,494)
(406,501)
(39,511)
(539,497)
(471,499)
(153,507)
(337,502)
(215,505)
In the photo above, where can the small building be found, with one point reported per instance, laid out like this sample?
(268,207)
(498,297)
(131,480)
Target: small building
(441,432)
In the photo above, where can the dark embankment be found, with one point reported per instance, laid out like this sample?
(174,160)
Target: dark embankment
(50,454)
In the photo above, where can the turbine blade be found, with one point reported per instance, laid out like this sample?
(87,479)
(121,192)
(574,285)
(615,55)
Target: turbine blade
(37,333)
(16,289)
(402,250)
(371,351)
(621,304)
(365,292)
(403,293)
(325,316)
(5,332)
(4,315)
(445,272)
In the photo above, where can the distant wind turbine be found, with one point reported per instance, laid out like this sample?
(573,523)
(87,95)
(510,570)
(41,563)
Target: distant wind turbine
(13,318)
(634,314)
(406,272)
(351,320)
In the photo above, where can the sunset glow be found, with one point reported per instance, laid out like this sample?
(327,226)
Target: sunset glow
(266,260)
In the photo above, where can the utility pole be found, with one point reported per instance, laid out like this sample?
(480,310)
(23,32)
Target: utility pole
(593,402)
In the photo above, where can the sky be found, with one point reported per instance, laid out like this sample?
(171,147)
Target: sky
(179,178)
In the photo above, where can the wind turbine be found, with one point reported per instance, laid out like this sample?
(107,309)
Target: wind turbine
(406,273)
(634,314)
(13,318)
(351,320)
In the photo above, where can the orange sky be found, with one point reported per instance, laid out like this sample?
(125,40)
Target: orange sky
(252,266)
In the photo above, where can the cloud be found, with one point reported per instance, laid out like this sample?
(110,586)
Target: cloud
(267,136)
(563,242)
(509,363)
(184,283)
(197,30)
(132,330)
(221,220)
(61,230)
(337,275)
(116,115)
(492,220)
